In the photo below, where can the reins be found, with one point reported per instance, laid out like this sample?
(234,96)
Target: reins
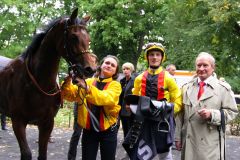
(38,86)
(69,54)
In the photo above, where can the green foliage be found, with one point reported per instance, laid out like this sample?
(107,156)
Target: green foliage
(194,26)
(235,125)
(119,27)
(234,81)
(20,20)
(122,27)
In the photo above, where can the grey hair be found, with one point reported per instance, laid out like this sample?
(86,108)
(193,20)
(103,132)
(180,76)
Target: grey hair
(170,65)
(208,55)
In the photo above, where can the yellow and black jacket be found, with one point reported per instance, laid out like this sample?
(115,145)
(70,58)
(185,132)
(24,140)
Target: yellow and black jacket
(158,85)
(103,97)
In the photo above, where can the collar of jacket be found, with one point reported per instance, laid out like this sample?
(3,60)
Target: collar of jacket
(212,82)
(157,71)
(105,80)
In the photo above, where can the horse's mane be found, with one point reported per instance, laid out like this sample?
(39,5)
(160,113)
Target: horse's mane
(37,38)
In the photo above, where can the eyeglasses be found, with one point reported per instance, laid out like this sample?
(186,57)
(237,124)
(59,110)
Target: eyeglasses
(148,45)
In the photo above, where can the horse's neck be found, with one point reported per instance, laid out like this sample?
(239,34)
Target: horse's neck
(45,66)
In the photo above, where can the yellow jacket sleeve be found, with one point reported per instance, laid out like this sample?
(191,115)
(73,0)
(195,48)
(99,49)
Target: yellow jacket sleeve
(174,94)
(70,92)
(108,97)
(137,85)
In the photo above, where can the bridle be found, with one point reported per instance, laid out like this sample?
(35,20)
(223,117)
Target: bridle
(68,57)
(69,54)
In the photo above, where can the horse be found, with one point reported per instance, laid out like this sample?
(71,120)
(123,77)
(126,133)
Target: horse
(29,93)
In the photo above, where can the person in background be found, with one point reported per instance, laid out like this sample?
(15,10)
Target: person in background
(222,79)
(98,111)
(157,84)
(77,130)
(127,84)
(208,105)
(3,122)
(171,68)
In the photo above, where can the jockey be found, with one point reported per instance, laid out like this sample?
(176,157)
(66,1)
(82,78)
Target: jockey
(157,84)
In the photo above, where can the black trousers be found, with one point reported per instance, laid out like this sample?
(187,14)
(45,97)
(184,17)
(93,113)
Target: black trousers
(107,141)
(126,124)
(77,130)
(3,121)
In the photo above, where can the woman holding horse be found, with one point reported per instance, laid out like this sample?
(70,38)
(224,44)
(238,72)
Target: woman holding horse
(98,111)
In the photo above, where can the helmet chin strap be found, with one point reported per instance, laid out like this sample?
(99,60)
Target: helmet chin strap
(154,67)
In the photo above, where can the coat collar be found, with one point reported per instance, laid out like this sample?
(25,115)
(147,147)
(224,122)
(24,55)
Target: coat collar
(209,90)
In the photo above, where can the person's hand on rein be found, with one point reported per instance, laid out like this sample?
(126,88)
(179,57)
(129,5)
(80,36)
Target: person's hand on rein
(81,83)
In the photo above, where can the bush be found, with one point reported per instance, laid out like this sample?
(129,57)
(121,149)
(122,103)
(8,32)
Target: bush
(235,125)
(234,82)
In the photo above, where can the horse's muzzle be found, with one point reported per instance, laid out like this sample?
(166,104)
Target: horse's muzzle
(89,72)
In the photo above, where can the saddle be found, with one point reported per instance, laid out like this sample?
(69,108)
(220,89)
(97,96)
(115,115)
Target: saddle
(144,108)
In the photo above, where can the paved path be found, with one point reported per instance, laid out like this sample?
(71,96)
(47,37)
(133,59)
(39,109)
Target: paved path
(58,150)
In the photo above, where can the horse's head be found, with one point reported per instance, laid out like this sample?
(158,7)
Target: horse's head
(76,44)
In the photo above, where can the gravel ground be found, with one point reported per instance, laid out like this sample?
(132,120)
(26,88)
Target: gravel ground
(61,136)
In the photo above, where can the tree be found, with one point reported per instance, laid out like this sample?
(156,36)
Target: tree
(122,27)
(20,21)
(205,25)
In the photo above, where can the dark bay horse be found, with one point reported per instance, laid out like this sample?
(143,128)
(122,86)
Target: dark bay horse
(29,93)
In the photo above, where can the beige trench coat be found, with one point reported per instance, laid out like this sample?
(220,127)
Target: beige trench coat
(200,138)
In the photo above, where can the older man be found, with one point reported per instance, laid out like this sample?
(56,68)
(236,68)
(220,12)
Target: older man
(171,68)
(205,101)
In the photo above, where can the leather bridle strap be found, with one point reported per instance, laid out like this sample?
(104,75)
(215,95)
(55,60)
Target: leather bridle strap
(37,85)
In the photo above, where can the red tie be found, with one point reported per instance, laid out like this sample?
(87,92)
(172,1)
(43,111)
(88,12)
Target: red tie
(201,89)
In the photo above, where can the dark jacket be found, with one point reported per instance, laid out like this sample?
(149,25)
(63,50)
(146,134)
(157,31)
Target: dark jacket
(126,90)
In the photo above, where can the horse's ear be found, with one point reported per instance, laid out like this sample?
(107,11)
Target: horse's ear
(74,15)
(85,19)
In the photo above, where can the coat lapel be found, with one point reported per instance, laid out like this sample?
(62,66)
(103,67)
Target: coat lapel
(192,92)
(209,90)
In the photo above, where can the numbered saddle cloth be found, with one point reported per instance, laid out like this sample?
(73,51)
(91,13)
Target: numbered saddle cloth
(151,140)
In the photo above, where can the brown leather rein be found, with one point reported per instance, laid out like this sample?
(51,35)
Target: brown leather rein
(38,86)
(69,63)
